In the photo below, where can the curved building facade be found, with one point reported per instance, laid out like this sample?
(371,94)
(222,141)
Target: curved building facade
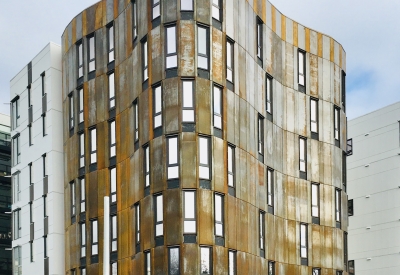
(217,129)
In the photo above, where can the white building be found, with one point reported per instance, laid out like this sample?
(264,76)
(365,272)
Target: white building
(37,168)
(374,192)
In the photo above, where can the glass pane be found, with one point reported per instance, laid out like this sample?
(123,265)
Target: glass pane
(187,5)
(114,227)
(159,208)
(301,63)
(215,13)
(314,127)
(93,139)
(80,53)
(189,205)
(205,260)
(157,121)
(230,159)
(174,261)
(217,100)
(188,116)
(313,110)
(204,172)
(217,122)
(202,40)
(314,194)
(91,48)
(203,150)
(159,229)
(314,211)
(111,85)
(303,252)
(218,208)
(80,100)
(302,166)
(189,226)
(173,150)
(171,40)
(231,263)
(230,180)
(301,80)
(112,126)
(172,61)
(173,172)
(302,235)
(229,75)
(114,268)
(147,154)
(110,56)
(145,54)
(148,263)
(302,149)
(229,54)
(158,99)
(218,229)
(187,94)
(113,180)
(202,62)
(91,66)
(94,232)
(156,11)
(111,38)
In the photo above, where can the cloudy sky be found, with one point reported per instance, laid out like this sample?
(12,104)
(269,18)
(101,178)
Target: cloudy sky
(366,29)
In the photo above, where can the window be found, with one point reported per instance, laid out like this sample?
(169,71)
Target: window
(350,207)
(343,90)
(44,206)
(137,223)
(344,171)
(345,247)
(261,232)
(268,94)
(205,260)
(337,125)
(217,104)
(303,242)
(338,207)
(81,150)
(95,238)
(157,98)
(31,252)
(316,271)
(113,185)
(351,267)
(204,158)
(15,112)
(93,146)
(73,199)
(79,47)
(231,166)
(43,83)
(114,233)
(17,224)
(173,157)
(349,149)
(16,150)
(315,202)
(134,20)
(146,165)
(259,39)
(189,210)
(159,223)
(91,53)
(44,124)
(112,139)
(187,101)
(271,268)
(83,239)
(232,262)
(17,260)
(173,261)
(80,106)
(144,60)
(229,59)
(110,37)
(216,10)
(83,194)
(303,155)
(171,55)
(30,174)
(111,91)
(339,272)
(147,264)
(302,70)
(186,5)
(202,47)
(44,165)
(314,115)
(156,9)
(71,110)
(30,133)
(83,271)
(219,214)
(16,186)
(260,135)
(136,119)
(270,190)
(114,268)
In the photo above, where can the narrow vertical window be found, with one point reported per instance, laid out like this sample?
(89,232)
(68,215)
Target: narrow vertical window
(314,117)
(261,233)
(156,9)
(344,171)
(315,203)
(351,267)
(260,138)
(79,55)
(113,185)
(316,271)
(232,262)
(204,158)
(229,59)
(15,112)
(271,268)
(44,83)
(219,215)
(137,226)
(202,47)
(134,20)
(93,146)
(302,70)
(187,101)
(189,210)
(216,10)
(270,190)
(17,224)
(231,169)
(173,261)
(147,264)
(16,186)
(136,120)
(94,238)
(336,124)
(145,60)
(83,194)
(30,134)
(339,272)
(83,271)
(80,106)
(83,239)
(350,207)
(349,146)
(114,268)
(345,247)
(268,95)
(171,55)
(81,150)
(217,104)
(71,110)
(16,150)
(91,53)
(205,260)
(159,216)
(343,90)
(259,30)
(173,157)
(17,260)
(44,125)
(157,98)
(44,165)
(114,233)
(110,44)
(31,252)
(112,139)
(111,91)
(186,5)
(338,207)
(73,200)
(146,165)
(304,243)
(302,156)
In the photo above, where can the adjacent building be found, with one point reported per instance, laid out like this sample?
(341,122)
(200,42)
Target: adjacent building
(217,129)
(38,165)
(374,192)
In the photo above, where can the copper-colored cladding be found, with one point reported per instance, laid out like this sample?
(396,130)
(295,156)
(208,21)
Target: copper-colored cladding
(291,118)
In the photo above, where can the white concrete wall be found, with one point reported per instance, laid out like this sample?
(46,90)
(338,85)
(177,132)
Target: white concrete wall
(48,60)
(374,186)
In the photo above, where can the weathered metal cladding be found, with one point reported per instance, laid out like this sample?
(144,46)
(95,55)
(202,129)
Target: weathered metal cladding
(241,105)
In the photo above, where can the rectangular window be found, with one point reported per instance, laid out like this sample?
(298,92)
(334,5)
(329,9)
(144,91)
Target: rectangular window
(71,110)
(315,201)
(159,220)
(337,125)
(189,210)
(351,267)
(173,157)
(80,106)
(44,124)
(303,154)
(350,207)
(268,94)
(157,98)
(171,45)
(316,271)
(146,165)
(147,264)
(73,198)
(17,260)
(45,206)
(17,224)
(186,5)
(187,101)
(270,190)
(91,53)
(31,252)
(83,271)
(113,185)
(261,232)
(219,214)
(271,268)
(114,233)
(314,115)
(134,20)
(93,146)
(16,186)
(349,148)
(231,166)
(217,104)
(173,261)
(43,83)
(83,194)
(205,260)
(83,239)
(111,91)
(95,237)
(114,268)
(44,165)
(30,174)
(137,223)
(79,48)
(30,134)
(229,59)
(343,90)
(259,39)
(232,262)
(81,150)
(339,272)
(16,150)
(303,241)
(112,139)
(216,10)
(110,37)
(204,158)
(15,112)
(345,247)
(302,70)
(136,119)
(202,47)
(260,135)
(145,60)
(338,210)
(156,9)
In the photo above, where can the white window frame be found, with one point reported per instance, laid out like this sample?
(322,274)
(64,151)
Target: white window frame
(219,215)
(188,114)
(113,185)
(217,107)
(110,43)
(158,215)
(204,157)
(113,141)
(171,47)
(173,157)
(189,212)
(93,145)
(91,40)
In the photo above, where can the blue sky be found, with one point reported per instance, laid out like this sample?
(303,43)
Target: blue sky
(366,29)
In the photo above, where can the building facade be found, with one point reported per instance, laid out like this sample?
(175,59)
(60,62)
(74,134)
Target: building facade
(5,196)
(38,165)
(374,192)
(217,129)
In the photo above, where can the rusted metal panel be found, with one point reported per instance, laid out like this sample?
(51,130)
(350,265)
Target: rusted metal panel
(147,228)
(124,240)
(289,65)
(261,188)
(109,10)
(190,256)
(170,9)
(231,222)
(156,62)
(202,11)
(145,106)
(220,170)
(157,160)
(173,216)
(203,106)
(188,160)
(89,19)
(313,79)
(205,217)
(187,48)
(242,262)
(291,242)
(92,196)
(277,58)
(143,15)
(171,105)
(218,60)
(120,38)
(100,11)
(242,226)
